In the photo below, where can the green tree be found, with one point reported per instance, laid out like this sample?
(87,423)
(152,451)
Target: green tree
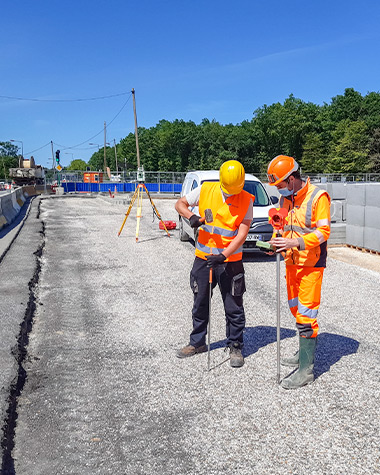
(96,161)
(371,108)
(77,164)
(374,152)
(314,155)
(8,159)
(349,106)
(349,151)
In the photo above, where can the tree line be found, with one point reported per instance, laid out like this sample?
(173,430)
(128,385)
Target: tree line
(342,136)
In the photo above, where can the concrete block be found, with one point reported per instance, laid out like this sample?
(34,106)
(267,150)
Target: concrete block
(59,190)
(337,211)
(372,197)
(344,210)
(372,217)
(356,194)
(372,239)
(354,235)
(16,204)
(338,191)
(8,210)
(338,234)
(355,215)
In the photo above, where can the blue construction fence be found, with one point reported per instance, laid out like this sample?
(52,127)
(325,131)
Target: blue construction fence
(80,187)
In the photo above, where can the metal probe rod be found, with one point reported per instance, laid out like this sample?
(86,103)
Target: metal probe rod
(209,321)
(278,258)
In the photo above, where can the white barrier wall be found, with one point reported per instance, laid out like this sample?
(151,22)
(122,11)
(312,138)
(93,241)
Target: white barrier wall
(363,216)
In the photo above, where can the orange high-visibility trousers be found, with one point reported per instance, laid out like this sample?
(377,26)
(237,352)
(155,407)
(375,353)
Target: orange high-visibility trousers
(304,296)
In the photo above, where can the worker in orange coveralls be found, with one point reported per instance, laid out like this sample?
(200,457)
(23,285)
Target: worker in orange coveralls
(304,243)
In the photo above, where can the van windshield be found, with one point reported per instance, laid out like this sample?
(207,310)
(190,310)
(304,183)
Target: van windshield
(256,189)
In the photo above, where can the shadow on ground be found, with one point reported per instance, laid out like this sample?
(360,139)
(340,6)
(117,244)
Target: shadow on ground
(330,349)
(256,338)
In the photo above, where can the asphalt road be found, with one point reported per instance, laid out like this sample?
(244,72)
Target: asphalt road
(104,391)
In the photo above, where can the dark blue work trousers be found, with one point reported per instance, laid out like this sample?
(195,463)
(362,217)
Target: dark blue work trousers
(230,279)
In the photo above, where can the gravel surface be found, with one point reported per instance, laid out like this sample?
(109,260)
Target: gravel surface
(105,393)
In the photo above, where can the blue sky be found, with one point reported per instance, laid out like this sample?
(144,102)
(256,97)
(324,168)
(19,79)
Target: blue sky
(212,59)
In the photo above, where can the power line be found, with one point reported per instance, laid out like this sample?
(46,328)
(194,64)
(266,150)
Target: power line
(65,100)
(36,150)
(102,131)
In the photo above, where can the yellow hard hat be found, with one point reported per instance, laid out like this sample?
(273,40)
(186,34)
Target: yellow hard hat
(231,177)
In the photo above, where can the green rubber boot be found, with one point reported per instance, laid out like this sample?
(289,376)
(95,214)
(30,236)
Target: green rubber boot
(304,374)
(292,361)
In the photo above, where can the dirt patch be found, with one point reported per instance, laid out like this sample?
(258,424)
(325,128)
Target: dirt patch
(356,257)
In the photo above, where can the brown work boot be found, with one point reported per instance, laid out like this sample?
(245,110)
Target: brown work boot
(236,358)
(190,350)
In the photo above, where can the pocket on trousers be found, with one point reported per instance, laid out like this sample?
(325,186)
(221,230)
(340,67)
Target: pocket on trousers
(193,284)
(238,285)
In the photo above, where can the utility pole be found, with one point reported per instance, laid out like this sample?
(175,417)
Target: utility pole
(137,138)
(117,168)
(105,159)
(52,158)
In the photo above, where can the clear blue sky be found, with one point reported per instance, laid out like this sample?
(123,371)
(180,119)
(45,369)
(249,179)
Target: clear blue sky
(188,60)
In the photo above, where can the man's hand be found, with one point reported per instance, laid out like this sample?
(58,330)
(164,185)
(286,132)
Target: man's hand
(215,260)
(195,221)
(282,244)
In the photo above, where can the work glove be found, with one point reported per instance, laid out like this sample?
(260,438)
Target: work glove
(195,221)
(214,260)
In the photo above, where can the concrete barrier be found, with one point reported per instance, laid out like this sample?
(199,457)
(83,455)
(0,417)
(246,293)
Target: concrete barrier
(11,204)
(3,221)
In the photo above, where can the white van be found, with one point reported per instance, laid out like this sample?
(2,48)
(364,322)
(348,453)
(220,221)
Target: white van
(260,229)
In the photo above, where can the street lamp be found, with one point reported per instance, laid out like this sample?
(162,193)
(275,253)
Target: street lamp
(22,147)
(95,144)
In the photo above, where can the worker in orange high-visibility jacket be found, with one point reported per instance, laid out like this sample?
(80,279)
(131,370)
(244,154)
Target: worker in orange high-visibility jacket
(219,246)
(304,244)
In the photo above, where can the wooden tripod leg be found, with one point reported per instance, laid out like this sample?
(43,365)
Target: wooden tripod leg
(156,210)
(129,210)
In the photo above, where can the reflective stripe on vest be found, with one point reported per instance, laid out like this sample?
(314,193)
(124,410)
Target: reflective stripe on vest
(215,237)
(220,231)
(308,215)
(215,250)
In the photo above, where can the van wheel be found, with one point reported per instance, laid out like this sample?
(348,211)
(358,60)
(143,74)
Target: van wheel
(182,235)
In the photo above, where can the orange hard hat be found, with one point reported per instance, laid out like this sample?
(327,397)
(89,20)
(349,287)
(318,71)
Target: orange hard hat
(280,168)
(232,177)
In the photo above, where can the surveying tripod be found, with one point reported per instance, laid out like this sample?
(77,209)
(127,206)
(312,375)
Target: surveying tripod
(138,195)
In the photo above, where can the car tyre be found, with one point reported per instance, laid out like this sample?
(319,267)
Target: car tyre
(182,235)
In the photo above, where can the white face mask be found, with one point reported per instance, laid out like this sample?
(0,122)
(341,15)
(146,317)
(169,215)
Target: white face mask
(285,191)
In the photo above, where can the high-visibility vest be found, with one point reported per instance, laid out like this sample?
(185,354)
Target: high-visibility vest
(302,220)
(213,238)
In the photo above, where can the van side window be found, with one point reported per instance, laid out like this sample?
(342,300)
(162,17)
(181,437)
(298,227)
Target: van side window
(257,189)
(194,185)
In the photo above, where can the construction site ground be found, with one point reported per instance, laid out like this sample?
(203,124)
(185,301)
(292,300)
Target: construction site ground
(90,381)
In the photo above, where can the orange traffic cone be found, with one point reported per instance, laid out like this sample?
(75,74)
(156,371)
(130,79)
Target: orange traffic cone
(115,192)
